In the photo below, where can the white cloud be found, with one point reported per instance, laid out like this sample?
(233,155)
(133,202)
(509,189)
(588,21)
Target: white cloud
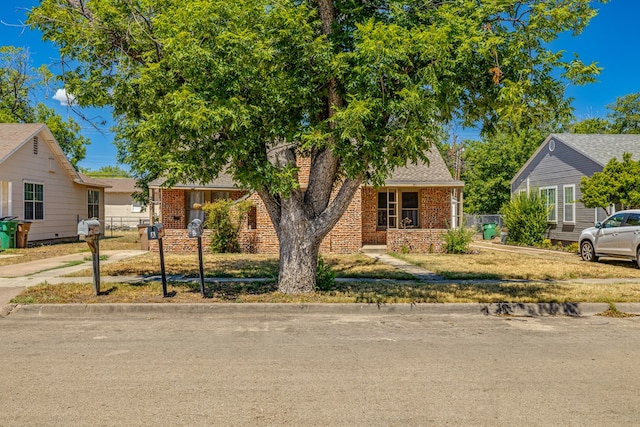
(64,98)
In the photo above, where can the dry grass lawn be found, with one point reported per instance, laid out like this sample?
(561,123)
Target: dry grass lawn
(511,277)
(501,265)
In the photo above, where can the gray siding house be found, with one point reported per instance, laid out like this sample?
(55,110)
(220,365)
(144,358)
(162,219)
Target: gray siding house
(556,168)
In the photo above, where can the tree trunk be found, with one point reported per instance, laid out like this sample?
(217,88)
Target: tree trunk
(298,258)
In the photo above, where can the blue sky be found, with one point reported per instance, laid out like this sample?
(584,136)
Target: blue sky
(612,39)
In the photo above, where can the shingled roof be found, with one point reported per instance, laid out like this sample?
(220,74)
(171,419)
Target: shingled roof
(120,185)
(15,135)
(601,148)
(435,174)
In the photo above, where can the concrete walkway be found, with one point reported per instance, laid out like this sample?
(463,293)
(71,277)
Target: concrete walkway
(418,272)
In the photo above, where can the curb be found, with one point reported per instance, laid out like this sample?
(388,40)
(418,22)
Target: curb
(262,309)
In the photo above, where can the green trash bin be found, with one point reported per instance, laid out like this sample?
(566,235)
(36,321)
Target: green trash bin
(488,231)
(8,234)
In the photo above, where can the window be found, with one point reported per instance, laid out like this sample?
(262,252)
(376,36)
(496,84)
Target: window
(633,220)
(614,221)
(33,201)
(136,207)
(200,197)
(549,195)
(388,209)
(387,204)
(93,205)
(5,198)
(569,207)
(410,204)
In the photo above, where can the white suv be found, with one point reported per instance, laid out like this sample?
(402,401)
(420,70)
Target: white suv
(617,236)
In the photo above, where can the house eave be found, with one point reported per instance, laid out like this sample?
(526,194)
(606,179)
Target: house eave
(441,184)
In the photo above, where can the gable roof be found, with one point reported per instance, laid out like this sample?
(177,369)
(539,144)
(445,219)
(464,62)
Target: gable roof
(119,185)
(601,148)
(14,135)
(223,182)
(434,174)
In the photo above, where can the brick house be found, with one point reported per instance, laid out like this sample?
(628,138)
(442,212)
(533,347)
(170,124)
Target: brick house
(410,212)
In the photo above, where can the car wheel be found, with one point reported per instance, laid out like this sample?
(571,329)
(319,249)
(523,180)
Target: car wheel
(586,251)
(638,257)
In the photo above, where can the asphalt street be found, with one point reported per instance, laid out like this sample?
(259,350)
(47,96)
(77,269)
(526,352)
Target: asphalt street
(336,365)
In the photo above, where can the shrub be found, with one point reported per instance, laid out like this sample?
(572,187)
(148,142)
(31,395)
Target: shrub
(525,216)
(546,244)
(573,247)
(457,241)
(225,218)
(325,277)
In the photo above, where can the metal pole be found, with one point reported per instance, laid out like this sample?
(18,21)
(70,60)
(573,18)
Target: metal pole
(201,266)
(164,275)
(95,249)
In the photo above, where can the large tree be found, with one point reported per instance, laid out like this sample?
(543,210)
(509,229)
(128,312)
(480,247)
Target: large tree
(623,117)
(20,86)
(489,166)
(359,88)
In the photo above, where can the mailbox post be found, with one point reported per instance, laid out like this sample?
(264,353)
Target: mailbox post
(194,230)
(156,232)
(90,229)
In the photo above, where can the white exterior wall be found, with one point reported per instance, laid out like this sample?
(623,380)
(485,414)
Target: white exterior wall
(118,210)
(64,200)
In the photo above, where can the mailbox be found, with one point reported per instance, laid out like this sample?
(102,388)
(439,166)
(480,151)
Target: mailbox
(194,229)
(89,227)
(155,231)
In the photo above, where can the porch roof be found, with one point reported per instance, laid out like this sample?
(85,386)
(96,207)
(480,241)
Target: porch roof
(420,174)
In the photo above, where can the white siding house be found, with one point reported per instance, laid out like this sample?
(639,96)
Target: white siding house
(39,185)
(121,210)
(556,169)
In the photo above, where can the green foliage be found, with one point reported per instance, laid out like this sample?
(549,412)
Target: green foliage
(591,125)
(359,88)
(525,216)
(458,240)
(489,166)
(108,172)
(625,114)
(623,118)
(225,218)
(18,86)
(546,244)
(325,276)
(573,248)
(402,71)
(617,184)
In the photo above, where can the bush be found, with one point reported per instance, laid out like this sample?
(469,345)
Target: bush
(525,216)
(457,241)
(225,218)
(325,277)
(573,247)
